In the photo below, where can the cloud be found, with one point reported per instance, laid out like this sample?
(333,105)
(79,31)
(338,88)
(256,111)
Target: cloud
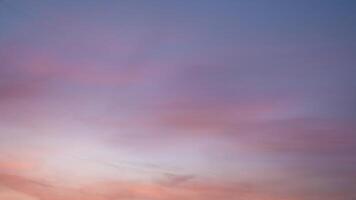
(111,190)
(173,180)
(19,90)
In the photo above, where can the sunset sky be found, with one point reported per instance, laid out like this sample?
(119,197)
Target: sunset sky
(177,100)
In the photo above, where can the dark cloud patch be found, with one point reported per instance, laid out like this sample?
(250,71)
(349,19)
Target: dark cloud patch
(174,180)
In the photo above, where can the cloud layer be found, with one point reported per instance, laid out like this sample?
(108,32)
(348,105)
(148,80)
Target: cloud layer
(195,100)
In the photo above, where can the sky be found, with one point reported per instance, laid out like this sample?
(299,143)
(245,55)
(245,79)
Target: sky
(177,99)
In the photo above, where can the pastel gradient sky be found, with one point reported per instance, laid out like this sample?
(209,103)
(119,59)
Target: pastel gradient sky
(177,100)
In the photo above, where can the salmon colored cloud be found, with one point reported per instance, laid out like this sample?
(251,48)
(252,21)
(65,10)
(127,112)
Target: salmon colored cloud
(129,190)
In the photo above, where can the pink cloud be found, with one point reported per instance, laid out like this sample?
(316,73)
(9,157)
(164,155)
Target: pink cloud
(129,190)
